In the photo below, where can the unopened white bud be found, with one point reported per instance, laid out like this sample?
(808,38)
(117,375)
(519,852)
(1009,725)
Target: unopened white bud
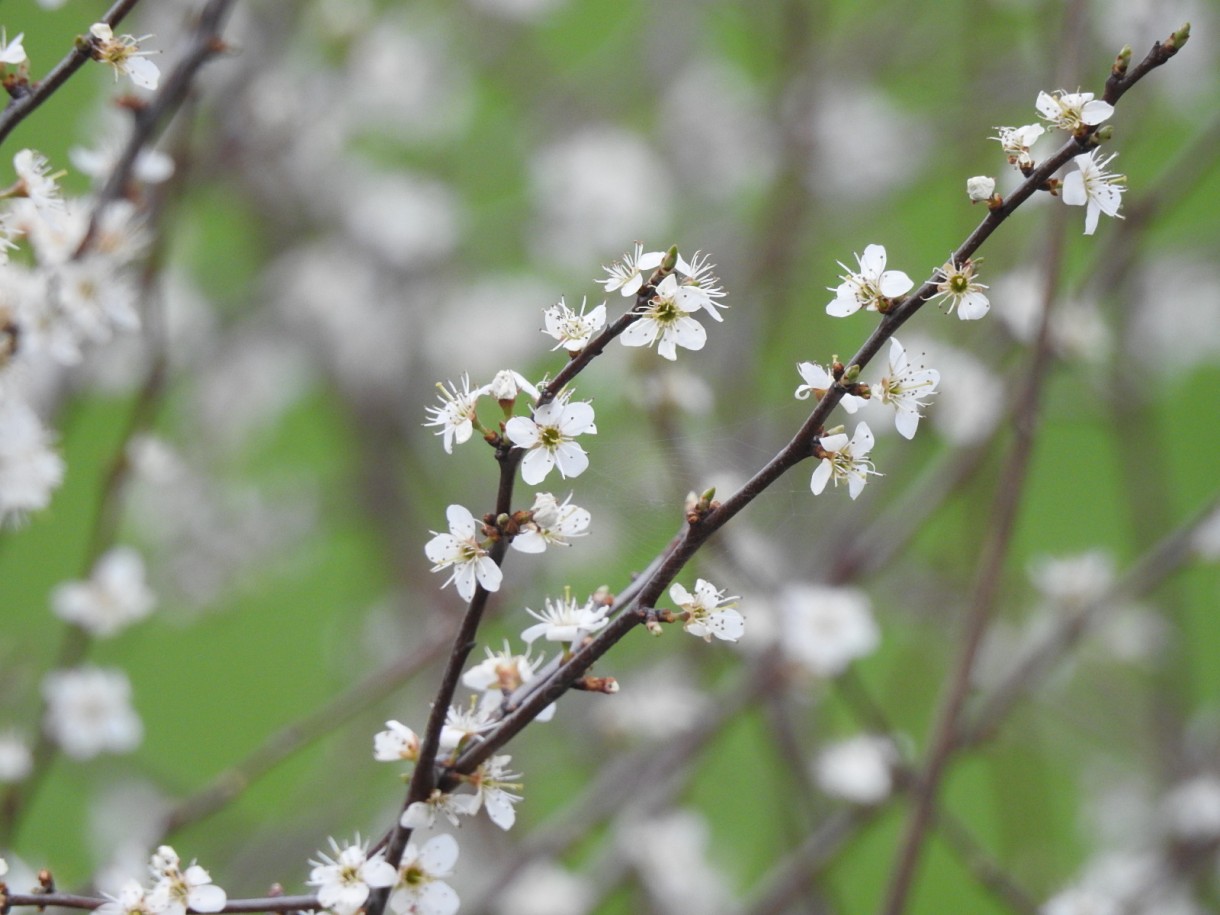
(980,188)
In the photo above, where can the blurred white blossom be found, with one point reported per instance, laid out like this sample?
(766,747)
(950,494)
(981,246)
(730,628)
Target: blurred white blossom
(115,595)
(858,769)
(89,712)
(825,629)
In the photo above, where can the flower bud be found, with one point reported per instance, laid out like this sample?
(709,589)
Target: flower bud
(980,188)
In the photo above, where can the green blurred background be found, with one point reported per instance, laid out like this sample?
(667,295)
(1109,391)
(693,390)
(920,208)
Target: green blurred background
(502,153)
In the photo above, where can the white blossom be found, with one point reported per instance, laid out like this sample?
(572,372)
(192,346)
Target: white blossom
(501,670)
(507,384)
(858,769)
(457,414)
(344,881)
(1073,581)
(396,743)
(151,166)
(871,288)
(132,899)
(1092,187)
(30,470)
(16,760)
(1017,143)
(1082,900)
(462,724)
(818,381)
(11,52)
(627,274)
(115,595)
(422,814)
(547,438)
(1191,810)
(124,55)
(665,319)
(552,523)
(962,291)
(573,330)
(1072,110)
(711,613)
(39,187)
(496,787)
(545,888)
(89,712)
(824,629)
(176,890)
(904,388)
(499,674)
(565,621)
(845,461)
(420,888)
(461,550)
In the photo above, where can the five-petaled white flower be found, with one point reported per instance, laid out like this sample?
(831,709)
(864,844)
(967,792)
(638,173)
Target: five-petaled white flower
(1072,110)
(89,711)
(960,289)
(422,814)
(457,413)
(699,286)
(420,889)
(497,787)
(1094,188)
(1017,143)
(551,522)
(501,673)
(115,595)
(818,381)
(39,187)
(461,549)
(547,438)
(124,54)
(666,320)
(175,890)
(627,274)
(904,388)
(11,52)
(344,882)
(461,724)
(871,288)
(859,769)
(845,461)
(564,621)
(131,900)
(572,330)
(711,613)
(396,743)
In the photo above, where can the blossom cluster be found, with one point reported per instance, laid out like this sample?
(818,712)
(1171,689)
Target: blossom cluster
(1090,185)
(345,878)
(172,891)
(874,287)
(668,291)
